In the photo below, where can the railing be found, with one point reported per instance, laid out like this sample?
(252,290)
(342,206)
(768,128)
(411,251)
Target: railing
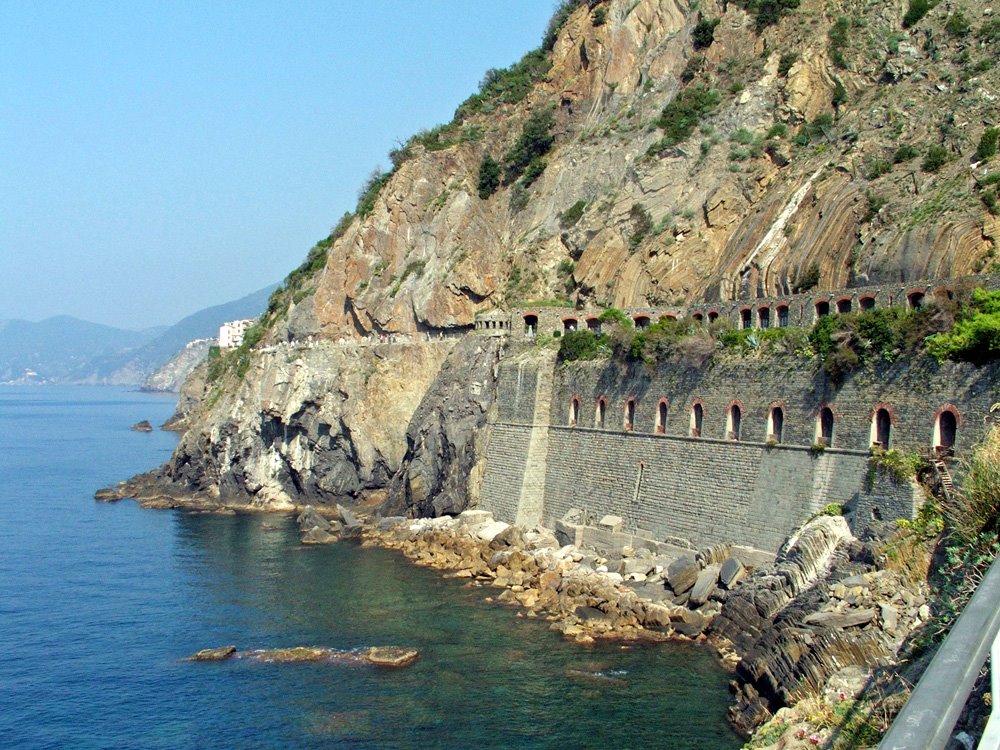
(928,718)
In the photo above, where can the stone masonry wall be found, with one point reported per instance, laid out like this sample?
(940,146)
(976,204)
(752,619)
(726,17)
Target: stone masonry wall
(711,489)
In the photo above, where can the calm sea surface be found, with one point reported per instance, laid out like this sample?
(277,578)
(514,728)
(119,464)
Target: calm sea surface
(100,603)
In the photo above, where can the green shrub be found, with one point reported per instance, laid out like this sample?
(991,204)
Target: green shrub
(957,24)
(585,344)
(533,171)
(507,85)
(901,465)
(875,203)
(820,127)
(534,142)
(987,148)
(976,509)
(976,334)
(370,190)
(615,316)
(563,11)
(936,157)
(916,10)
(598,16)
(642,223)
(839,96)
(904,153)
(572,215)
(767,12)
(703,33)
(786,62)
(838,36)
(685,111)
(989,32)
(489,176)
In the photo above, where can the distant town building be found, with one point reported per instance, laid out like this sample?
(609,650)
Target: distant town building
(231,333)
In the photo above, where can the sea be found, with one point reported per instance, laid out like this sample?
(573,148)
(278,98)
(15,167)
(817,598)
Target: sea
(101,603)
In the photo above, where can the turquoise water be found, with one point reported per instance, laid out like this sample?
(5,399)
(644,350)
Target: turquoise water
(100,603)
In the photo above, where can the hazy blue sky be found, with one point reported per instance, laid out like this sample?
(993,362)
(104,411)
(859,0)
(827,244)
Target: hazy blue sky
(160,157)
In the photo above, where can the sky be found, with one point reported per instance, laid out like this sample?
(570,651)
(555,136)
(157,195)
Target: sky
(157,158)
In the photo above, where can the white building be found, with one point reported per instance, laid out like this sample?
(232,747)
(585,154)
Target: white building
(231,333)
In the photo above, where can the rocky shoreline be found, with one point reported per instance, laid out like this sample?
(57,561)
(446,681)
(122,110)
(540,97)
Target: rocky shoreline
(822,614)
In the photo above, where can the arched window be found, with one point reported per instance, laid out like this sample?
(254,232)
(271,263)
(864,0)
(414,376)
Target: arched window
(530,325)
(569,324)
(600,413)
(782,316)
(764,317)
(697,419)
(745,318)
(699,317)
(881,431)
(594,325)
(915,299)
(824,427)
(661,416)
(574,412)
(945,430)
(641,321)
(844,305)
(822,308)
(668,316)
(866,303)
(629,414)
(734,419)
(775,423)
(713,316)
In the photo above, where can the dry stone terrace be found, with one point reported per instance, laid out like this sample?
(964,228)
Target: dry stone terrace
(788,310)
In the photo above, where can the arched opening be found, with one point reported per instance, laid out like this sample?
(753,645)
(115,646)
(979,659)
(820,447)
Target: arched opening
(530,325)
(661,417)
(844,305)
(668,316)
(699,317)
(600,413)
(915,299)
(866,303)
(630,414)
(745,318)
(734,420)
(641,321)
(764,317)
(782,316)
(824,427)
(775,424)
(713,316)
(569,324)
(574,412)
(594,325)
(945,431)
(697,419)
(881,432)
(822,308)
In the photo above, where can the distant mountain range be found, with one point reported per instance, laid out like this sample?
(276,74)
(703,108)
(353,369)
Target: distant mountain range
(64,349)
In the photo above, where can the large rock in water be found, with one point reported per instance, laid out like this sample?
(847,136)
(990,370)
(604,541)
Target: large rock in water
(214,654)
(310,519)
(392,656)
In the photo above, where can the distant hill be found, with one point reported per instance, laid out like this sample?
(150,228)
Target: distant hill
(68,350)
(52,349)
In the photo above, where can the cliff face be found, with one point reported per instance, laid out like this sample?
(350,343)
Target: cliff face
(687,155)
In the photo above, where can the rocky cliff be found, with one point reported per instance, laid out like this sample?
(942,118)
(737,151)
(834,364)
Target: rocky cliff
(649,153)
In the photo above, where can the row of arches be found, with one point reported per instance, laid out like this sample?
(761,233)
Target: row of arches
(943,437)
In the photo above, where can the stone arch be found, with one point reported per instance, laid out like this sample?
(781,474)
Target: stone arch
(569,323)
(713,315)
(601,412)
(764,317)
(641,321)
(594,324)
(822,307)
(574,410)
(915,298)
(734,419)
(668,316)
(866,303)
(826,417)
(530,324)
(844,305)
(699,316)
(630,406)
(782,311)
(947,420)
(662,412)
(776,421)
(746,318)
(697,417)
(882,421)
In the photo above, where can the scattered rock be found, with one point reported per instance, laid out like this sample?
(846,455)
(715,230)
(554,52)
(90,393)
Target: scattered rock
(704,584)
(316,535)
(682,574)
(731,573)
(310,519)
(840,619)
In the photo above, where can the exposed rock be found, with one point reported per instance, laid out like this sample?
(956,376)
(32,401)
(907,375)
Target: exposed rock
(143,426)
(392,656)
(682,574)
(731,573)
(294,655)
(317,535)
(704,584)
(214,654)
(309,519)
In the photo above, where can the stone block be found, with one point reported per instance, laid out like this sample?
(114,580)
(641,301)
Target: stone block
(731,573)
(611,523)
(682,574)
(475,517)
(705,584)
(487,532)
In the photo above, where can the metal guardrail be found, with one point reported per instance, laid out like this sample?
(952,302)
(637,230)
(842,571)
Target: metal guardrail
(928,718)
